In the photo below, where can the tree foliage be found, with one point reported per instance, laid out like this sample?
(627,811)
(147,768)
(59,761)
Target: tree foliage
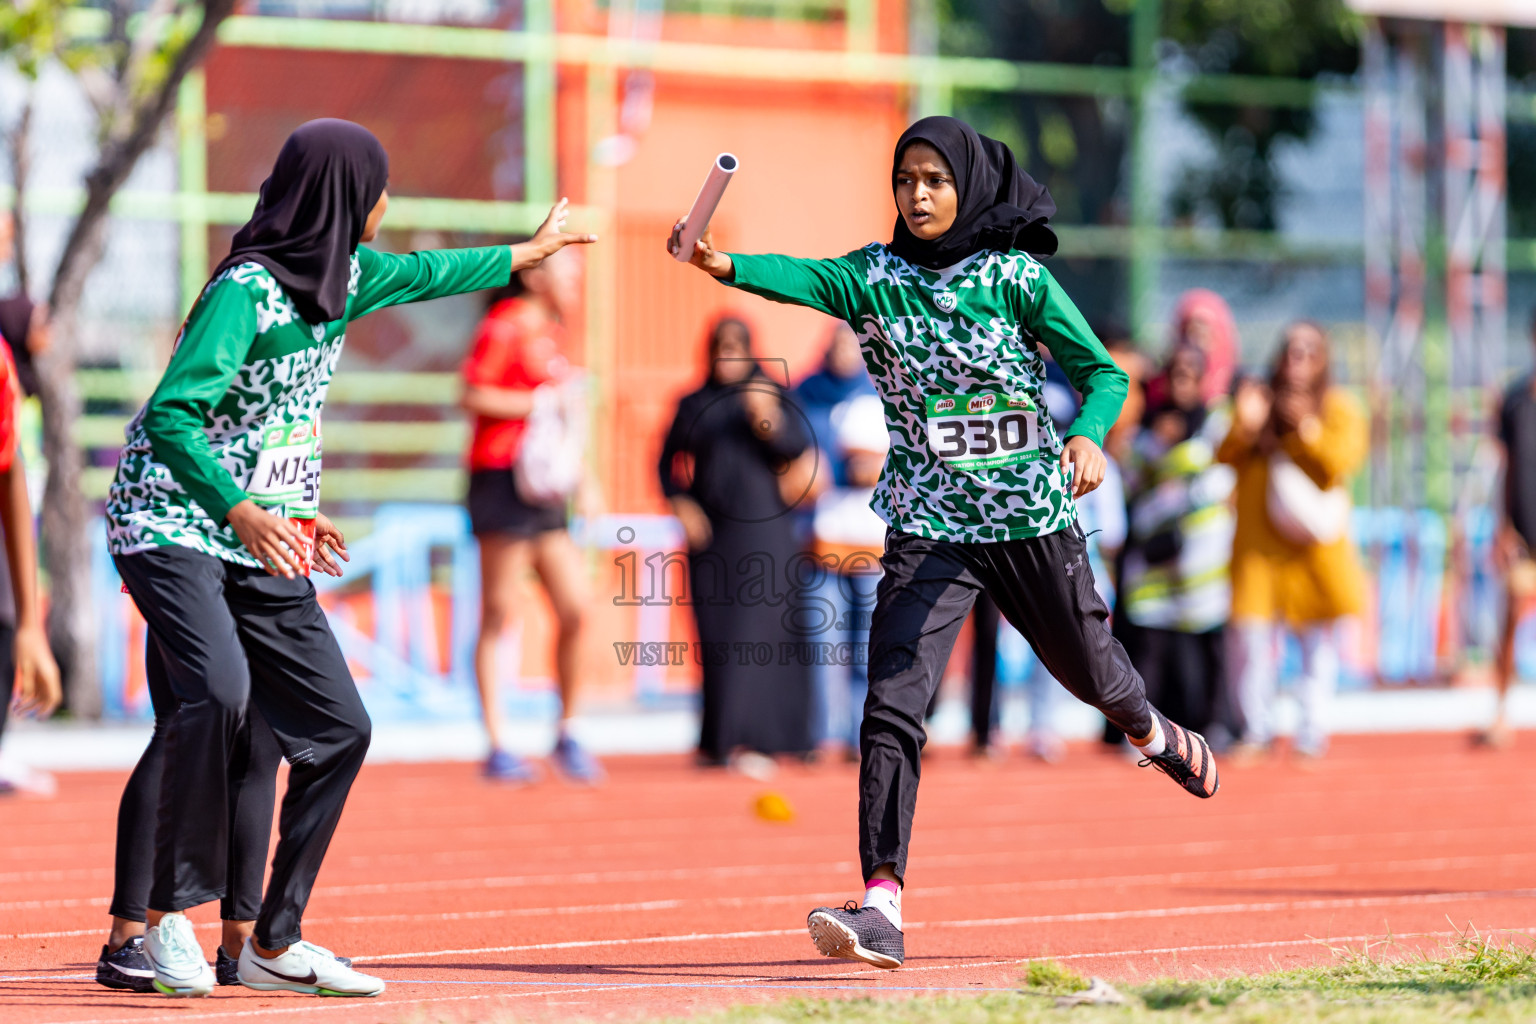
(33,32)
(1077,144)
(1282,38)
(130,57)
(1074,144)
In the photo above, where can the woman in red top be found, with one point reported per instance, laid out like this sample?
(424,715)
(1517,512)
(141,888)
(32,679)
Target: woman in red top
(520,347)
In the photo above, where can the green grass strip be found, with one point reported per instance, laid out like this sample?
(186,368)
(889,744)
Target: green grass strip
(1472,978)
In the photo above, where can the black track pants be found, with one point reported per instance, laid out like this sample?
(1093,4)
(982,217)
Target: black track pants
(7,667)
(1044,586)
(230,634)
(986,619)
(252,794)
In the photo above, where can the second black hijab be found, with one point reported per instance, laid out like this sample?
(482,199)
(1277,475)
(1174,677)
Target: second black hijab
(1000,207)
(311,212)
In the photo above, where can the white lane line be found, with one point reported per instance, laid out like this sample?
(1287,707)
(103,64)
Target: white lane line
(347,1004)
(1045,885)
(1103,915)
(65,904)
(1175,878)
(54,875)
(850,972)
(581,944)
(515,882)
(1014,859)
(1244,908)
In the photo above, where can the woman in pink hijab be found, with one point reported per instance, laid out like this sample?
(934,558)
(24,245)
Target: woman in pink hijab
(1203,319)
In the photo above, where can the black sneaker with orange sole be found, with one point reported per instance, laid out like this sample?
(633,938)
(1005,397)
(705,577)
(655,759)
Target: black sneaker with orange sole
(1186,759)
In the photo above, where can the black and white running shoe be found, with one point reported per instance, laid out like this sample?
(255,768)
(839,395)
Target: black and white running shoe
(127,968)
(227,967)
(852,932)
(1186,759)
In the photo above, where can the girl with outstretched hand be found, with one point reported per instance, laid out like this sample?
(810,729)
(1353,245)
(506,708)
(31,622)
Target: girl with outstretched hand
(210,521)
(978,488)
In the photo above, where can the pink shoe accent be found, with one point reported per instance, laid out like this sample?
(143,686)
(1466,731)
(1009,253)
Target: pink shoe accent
(883,883)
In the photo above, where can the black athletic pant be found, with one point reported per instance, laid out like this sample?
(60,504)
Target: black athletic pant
(231,634)
(985,618)
(252,794)
(1044,586)
(7,670)
(1184,672)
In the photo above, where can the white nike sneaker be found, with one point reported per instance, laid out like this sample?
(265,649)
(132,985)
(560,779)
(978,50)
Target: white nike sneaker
(172,950)
(304,967)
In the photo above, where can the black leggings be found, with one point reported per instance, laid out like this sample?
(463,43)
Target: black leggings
(252,792)
(234,637)
(7,668)
(1044,586)
(986,618)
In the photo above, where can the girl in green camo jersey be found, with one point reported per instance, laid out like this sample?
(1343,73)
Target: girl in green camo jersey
(978,488)
(210,520)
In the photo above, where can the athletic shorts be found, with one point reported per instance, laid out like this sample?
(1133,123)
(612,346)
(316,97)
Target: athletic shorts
(496,507)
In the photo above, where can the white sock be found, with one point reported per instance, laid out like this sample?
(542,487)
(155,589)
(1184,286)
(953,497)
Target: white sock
(885,901)
(1157,744)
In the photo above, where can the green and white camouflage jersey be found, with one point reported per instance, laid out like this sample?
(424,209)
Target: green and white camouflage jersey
(237,414)
(974,456)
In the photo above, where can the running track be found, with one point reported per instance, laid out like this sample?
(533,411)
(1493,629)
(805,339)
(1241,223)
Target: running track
(663,894)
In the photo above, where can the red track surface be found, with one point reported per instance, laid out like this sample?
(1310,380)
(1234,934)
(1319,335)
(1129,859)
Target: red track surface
(662,893)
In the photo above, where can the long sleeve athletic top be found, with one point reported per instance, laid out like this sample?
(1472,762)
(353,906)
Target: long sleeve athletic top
(974,456)
(237,413)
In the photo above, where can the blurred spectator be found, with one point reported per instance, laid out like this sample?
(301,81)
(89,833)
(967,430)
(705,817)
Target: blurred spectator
(1122,349)
(1175,595)
(1293,443)
(1516,538)
(841,377)
(23,331)
(24,327)
(1203,319)
(518,383)
(722,466)
(826,394)
(849,538)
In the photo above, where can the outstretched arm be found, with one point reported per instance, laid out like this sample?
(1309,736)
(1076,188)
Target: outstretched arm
(387,279)
(830,286)
(549,239)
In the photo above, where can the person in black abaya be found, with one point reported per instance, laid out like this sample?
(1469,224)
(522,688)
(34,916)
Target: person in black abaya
(722,466)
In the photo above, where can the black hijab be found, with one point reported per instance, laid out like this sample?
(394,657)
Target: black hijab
(16,329)
(1000,207)
(310,215)
(716,334)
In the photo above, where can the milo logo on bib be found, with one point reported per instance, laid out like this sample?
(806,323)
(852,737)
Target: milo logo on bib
(983,431)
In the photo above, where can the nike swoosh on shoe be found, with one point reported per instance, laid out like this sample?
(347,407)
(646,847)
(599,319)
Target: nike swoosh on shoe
(174,975)
(313,977)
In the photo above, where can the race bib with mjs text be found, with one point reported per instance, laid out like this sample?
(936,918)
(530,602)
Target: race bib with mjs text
(287,472)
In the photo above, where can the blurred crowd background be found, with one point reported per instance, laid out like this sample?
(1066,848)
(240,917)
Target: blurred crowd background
(1271,212)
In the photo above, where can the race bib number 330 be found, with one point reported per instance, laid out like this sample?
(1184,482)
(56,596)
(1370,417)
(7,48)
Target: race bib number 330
(983,430)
